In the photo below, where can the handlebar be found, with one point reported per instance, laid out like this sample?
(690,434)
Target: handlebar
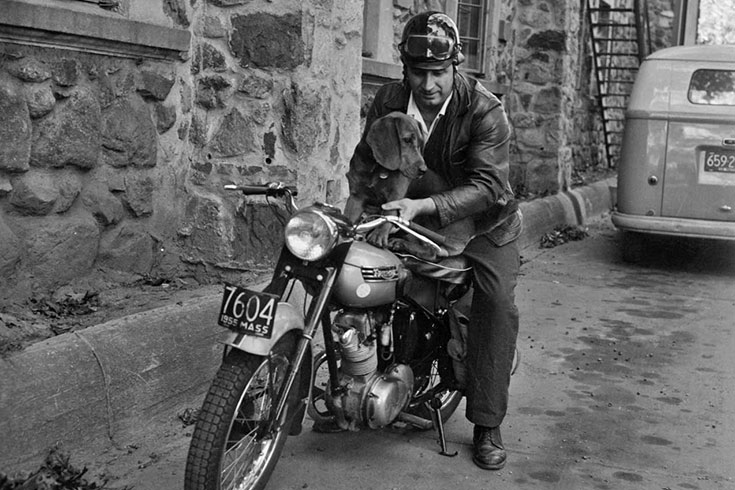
(270,189)
(430,234)
(429,237)
(277,189)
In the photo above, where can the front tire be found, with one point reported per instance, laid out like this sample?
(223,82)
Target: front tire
(232,446)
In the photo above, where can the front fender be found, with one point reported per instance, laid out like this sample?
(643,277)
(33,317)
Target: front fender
(287,318)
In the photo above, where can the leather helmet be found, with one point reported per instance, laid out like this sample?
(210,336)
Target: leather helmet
(430,41)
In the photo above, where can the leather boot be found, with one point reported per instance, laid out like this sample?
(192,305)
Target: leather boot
(488,451)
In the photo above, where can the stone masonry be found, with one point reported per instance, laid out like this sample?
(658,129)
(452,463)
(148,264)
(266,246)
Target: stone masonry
(112,168)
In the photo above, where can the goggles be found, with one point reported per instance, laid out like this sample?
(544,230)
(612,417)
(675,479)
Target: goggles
(439,48)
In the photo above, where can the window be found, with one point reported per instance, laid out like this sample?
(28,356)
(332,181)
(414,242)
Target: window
(471,25)
(712,87)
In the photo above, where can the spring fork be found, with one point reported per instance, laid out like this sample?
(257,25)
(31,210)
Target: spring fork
(435,406)
(314,317)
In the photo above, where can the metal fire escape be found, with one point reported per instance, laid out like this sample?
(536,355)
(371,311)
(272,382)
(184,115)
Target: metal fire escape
(620,40)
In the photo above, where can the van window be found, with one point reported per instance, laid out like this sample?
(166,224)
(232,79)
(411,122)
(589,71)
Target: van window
(712,87)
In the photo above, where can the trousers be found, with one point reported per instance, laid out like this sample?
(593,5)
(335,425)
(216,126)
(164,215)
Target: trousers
(493,329)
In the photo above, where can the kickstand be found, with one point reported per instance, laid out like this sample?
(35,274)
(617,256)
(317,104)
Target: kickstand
(436,414)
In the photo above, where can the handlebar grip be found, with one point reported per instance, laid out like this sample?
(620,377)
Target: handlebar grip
(431,235)
(263,189)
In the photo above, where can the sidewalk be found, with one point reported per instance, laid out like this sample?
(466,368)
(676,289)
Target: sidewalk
(104,383)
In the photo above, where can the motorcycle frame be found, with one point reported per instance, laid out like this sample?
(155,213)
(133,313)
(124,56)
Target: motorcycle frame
(315,276)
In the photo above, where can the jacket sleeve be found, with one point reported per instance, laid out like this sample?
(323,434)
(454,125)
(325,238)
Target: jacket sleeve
(478,170)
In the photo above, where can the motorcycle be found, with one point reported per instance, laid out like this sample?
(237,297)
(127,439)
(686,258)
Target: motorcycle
(392,330)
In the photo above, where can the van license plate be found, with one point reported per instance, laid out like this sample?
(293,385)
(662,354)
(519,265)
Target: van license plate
(248,312)
(719,161)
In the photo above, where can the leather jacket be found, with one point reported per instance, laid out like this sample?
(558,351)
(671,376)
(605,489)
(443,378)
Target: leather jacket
(469,149)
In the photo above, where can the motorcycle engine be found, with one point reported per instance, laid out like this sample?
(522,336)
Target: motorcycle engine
(368,396)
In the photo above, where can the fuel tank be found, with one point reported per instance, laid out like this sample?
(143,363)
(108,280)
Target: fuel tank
(369,277)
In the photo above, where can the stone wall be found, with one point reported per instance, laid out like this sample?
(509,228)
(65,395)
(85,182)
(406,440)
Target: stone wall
(661,23)
(547,63)
(112,168)
(549,104)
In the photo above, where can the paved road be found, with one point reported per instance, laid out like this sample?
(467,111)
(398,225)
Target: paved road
(626,382)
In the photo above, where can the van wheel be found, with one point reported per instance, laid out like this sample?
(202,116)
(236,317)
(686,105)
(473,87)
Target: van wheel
(633,247)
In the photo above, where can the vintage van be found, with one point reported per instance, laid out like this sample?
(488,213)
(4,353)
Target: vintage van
(676,174)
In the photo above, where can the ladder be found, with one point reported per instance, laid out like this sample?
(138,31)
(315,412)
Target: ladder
(620,40)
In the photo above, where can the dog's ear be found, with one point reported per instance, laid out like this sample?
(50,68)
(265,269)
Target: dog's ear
(383,140)
(414,128)
(411,141)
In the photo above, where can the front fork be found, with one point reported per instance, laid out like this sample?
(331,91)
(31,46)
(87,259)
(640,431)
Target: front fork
(317,310)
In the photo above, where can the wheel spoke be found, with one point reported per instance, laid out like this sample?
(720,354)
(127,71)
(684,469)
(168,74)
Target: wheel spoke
(247,447)
(236,442)
(242,455)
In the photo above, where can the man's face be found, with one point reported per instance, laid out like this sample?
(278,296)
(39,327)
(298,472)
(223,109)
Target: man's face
(430,87)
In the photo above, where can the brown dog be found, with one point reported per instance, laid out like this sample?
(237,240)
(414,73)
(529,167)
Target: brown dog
(383,172)
(396,144)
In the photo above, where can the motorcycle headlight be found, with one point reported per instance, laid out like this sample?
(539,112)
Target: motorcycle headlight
(310,235)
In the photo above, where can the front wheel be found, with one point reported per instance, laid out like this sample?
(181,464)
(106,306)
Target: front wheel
(236,443)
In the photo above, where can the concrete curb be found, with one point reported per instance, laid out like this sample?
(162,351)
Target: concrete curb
(87,388)
(574,207)
(91,387)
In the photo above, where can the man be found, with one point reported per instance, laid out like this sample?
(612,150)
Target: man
(467,133)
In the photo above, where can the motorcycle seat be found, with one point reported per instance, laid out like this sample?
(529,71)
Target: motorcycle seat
(454,270)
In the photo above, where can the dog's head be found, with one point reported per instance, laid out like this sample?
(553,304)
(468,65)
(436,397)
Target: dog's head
(397,144)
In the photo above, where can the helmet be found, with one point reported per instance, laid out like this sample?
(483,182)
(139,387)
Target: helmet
(430,40)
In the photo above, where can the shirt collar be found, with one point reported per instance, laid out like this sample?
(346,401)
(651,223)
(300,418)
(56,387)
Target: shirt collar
(414,112)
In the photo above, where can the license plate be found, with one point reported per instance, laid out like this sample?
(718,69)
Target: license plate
(719,161)
(248,312)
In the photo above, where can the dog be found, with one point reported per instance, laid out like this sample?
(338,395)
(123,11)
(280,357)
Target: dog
(394,159)
(395,166)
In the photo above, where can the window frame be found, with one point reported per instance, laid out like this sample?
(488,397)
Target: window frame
(482,40)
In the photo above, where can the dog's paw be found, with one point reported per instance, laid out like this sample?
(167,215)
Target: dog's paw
(380,236)
(417,249)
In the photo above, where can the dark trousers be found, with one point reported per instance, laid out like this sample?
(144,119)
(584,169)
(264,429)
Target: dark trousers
(493,329)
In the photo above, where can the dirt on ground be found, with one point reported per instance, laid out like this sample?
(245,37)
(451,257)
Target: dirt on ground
(71,308)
